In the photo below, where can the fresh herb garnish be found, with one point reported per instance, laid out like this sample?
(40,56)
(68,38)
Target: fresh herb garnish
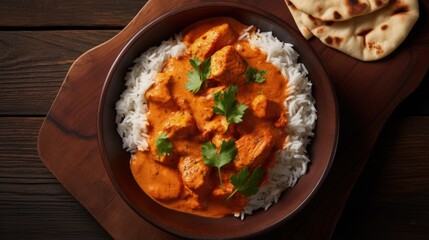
(227,105)
(253,75)
(247,185)
(163,145)
(227,153)
(199,75)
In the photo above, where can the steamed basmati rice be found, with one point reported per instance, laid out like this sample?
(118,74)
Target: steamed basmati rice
(291,161)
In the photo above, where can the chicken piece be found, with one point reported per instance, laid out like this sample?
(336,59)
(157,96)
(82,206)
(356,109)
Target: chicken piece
(217,139)
(170,159)
(182,103)
(218,125)
(180,125)
(195,174)
(160,182)
(159,92)
(206,101)
(224,191)
(264,108)
(201,107)
(166,184)
(211,91)
(228,67)
(247,50)
(253,148)
(213,40)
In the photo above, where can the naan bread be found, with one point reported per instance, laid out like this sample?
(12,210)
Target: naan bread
(368,37)
(338,10)
(297,14)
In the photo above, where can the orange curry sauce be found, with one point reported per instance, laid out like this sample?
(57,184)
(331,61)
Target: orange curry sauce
(181,181)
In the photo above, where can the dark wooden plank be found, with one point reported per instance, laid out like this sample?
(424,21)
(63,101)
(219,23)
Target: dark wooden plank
(68,13)
(365,101)
(31,76)
(33,65)
(33,204)
(390,200)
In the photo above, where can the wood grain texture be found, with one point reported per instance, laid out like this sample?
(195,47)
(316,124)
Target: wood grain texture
(33,205)
(33,65)
(68,14)
(392,195)
(360,129)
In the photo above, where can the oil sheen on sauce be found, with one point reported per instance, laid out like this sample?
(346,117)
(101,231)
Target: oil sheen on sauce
(181,181)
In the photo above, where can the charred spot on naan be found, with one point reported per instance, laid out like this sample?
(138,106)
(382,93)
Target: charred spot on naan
(376,47)
(355,7)
(385,27)
(338,10)
(320,31)
(337,15)
(334,40)
(380,3)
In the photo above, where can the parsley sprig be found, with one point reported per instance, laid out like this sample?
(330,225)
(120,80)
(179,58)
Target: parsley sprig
(199,75)
(227,105)
(245,183)
(163,145)
(253,75)
(227,153)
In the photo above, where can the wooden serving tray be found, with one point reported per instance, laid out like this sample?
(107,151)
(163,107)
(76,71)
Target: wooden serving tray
(367,94)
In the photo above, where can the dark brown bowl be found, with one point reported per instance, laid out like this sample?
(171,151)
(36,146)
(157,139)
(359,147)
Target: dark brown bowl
(116,160)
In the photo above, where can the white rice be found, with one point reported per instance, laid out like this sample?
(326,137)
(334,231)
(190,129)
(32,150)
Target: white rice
(131,108)
(291,161)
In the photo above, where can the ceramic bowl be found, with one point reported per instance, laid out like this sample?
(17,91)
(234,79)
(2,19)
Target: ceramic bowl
(116,160)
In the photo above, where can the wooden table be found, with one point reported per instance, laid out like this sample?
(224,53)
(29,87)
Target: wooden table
(39,40)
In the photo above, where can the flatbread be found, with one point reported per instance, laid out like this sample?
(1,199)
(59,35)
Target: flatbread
(338,10)
(368,37)
(297,14)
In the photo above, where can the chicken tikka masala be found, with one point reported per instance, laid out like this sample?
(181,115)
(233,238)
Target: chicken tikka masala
(216,116)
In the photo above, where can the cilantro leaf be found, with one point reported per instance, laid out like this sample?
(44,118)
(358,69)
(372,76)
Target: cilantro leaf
(195,62)
(228,151)
(194,83)
(205,69)
(253,75)
(227,105)
(163,145)
(237,114)
(199,75)
(209,153)
(247,185)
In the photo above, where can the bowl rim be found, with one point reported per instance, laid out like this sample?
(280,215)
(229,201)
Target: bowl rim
(191,7)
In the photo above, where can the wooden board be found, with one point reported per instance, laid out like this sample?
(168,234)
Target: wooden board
(367,94)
